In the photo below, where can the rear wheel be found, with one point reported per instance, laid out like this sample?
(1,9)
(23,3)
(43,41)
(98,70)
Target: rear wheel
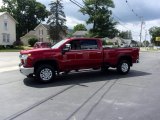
(45,73)
(123,67)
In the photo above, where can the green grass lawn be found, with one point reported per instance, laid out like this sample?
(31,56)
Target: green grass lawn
(16,49)
(10,50)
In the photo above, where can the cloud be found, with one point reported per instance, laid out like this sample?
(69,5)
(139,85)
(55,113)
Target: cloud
(149,9)
(146,8)
(71,22)
(0,2)
(136,26)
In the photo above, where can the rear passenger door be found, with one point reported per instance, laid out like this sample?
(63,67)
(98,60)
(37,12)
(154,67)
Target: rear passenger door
(93,56)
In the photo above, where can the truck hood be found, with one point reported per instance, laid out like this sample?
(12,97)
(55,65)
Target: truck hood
(38,51)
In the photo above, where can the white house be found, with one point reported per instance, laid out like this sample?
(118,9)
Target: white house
(80,34)
(7,29)
(40,32)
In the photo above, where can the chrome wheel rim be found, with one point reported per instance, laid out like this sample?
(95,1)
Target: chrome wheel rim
(124,67)
(46,74)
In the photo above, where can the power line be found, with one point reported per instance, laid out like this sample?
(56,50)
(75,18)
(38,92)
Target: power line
(81,6)
(133,11)
(76,3)
(120,20)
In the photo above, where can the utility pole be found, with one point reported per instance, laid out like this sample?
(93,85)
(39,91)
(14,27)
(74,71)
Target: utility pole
(142,22)
(57,38)
(145,38)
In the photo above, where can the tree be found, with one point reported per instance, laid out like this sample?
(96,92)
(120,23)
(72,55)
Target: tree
(146,43)
(79,27)
(125,34)
(100,16)
(155,32)
(57,20)
(28,14)
(32,41)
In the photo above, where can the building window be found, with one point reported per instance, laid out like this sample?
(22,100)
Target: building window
(5,25)
(42,31)
(6,37)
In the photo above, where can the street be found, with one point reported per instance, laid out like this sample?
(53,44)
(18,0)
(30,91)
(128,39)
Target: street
(86,95)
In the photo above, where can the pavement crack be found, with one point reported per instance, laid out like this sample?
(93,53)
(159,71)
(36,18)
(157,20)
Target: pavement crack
(37,104)
(131,85)
(87,100)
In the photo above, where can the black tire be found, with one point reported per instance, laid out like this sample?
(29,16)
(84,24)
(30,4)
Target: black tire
(45,73)
(30,76)
(123,67)
(66,72)
(104,68)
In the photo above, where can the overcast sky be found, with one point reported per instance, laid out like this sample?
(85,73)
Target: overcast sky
(149,9)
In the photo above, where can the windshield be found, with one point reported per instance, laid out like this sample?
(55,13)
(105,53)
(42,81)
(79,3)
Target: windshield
(57,45)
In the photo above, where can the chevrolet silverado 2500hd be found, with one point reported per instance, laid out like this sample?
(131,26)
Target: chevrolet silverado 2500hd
(74,54)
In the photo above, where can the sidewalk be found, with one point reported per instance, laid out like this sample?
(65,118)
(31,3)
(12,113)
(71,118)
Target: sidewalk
(9,61)
(143,49)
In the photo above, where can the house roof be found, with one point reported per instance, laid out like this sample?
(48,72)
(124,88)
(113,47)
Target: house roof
(80,33)
(2,13)
(44,25)
(30,33)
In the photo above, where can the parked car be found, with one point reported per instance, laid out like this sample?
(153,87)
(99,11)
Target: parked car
(75,54)
(42,45)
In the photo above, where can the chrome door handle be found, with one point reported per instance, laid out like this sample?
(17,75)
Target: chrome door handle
(99,52)
(79,53)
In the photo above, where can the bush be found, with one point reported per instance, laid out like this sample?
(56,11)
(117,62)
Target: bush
(32,41)
(2,47)
(18,43)
(110,43)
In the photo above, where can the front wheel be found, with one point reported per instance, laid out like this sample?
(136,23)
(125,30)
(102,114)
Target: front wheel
(45,73)
(123,67)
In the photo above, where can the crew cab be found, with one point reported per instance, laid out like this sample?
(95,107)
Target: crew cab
(75,54)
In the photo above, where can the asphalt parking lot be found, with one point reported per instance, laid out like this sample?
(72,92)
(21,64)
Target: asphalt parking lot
(87,95)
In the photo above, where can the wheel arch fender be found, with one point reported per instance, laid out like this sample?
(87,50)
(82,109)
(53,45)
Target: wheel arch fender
(53,63)
(125,57)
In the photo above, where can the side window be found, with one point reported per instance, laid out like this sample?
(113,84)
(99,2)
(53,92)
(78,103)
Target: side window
(5,25)
(89,44)
(75,45)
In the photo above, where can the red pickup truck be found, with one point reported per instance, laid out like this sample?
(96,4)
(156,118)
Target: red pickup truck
(74,54)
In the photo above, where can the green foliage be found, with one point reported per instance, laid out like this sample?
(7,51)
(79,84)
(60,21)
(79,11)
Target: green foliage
(125,34)
(100,16)
(32,41)
(28,13)
(104,42)
(146,43)
(57,20)
(155,32)
(79,27)
(10,47)
(18,43)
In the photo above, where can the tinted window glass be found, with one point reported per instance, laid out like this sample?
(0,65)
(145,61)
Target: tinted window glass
(75,45)
(89,44)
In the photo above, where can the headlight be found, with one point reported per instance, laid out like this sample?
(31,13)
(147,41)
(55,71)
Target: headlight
(24,57)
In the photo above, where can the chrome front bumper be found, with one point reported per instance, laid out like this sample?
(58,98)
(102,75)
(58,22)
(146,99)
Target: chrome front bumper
(26,71)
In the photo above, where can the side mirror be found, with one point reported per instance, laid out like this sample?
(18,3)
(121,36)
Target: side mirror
(66,48)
